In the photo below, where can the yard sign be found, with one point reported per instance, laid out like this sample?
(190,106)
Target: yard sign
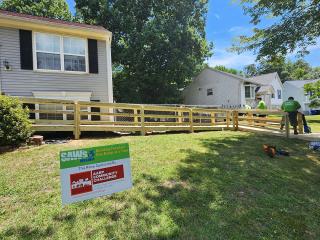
(94,172)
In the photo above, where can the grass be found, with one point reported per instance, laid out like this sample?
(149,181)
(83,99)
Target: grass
(215,185)
(314,122)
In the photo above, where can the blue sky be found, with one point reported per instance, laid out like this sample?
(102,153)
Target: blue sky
(226,21)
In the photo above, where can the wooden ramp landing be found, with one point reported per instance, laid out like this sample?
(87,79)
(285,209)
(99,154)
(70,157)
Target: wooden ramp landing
(307,137)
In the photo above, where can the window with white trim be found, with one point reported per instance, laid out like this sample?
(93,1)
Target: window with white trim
(60,53)
(250,91)
(279,94)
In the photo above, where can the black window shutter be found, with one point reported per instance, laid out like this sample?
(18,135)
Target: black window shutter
(95,109)
(26,55)
(93,56)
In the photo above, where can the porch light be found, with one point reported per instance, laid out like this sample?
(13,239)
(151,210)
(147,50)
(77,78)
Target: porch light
(6,65)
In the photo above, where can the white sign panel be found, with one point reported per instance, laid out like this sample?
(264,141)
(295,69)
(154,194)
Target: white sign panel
(94,172)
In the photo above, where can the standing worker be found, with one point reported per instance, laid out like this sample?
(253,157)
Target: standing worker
(291,107)
(261,104)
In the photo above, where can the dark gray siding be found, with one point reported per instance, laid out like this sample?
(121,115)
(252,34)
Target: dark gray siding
(19,82)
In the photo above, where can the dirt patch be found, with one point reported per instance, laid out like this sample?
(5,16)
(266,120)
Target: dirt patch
(171,184)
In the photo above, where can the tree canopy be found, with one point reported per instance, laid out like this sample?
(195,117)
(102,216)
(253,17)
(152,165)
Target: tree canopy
(314,89)
(295,26)
(287,70)
(157,45)
(57,9)
(228,70)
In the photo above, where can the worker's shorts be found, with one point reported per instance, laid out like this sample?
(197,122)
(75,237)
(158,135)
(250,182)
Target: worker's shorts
(293,118)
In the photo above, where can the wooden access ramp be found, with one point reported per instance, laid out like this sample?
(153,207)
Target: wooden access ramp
(50,115)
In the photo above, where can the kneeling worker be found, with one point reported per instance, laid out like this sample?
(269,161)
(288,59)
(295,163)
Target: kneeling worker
(291,106)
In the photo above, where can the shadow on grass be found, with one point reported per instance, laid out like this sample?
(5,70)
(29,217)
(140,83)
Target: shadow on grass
(232,190)
(26,232)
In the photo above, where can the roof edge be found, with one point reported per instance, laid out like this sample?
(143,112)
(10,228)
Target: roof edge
(232,75)
(21,20)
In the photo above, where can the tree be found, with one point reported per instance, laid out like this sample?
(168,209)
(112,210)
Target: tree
(157,46)
(228,70)
(251,70)
(287,70)
(57,9)
(296,26)
(314,90)
(275,64)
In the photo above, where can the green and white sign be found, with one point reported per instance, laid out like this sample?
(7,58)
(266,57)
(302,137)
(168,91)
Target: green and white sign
(93,172)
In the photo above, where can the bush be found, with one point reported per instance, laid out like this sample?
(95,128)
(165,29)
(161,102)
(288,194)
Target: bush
(15,126)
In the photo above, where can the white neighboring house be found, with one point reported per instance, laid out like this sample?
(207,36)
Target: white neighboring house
(296,89)
(271,91)
(215,88)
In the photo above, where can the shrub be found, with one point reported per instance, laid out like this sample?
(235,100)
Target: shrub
(15,126)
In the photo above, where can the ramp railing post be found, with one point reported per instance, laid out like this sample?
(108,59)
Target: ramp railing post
(143,131)
(191,120)
(213,118)
(135,119)
(235,120)
(77,119)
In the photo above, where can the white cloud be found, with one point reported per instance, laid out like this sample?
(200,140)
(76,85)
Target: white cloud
(231,60)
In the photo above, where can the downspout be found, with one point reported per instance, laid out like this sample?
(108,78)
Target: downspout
(109,68)
(240,92)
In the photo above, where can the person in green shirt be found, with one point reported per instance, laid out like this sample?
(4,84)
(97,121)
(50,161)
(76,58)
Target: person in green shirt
(291,107)
(261,105)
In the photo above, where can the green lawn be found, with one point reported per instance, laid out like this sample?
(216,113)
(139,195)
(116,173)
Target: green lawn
(314,122)
(215,185)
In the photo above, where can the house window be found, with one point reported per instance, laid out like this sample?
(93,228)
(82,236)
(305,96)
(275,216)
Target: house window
(250,91)
(60,53)
(272,95)
(74,54)
(48,51)
(279,94)
(209,92)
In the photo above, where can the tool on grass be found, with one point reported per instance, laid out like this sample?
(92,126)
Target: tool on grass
(306,128)
(272,151)
(315,146)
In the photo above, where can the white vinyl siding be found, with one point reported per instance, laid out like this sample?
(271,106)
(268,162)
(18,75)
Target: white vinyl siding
(60,53)
(227,90)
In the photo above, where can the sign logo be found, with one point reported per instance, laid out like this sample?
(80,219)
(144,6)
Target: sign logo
(81,155)
(80,183)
